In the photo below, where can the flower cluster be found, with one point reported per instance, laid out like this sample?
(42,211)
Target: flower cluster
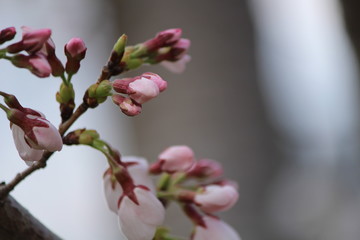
(197,185)
(211,195)
(166,47)
(40,59)
(177,164)
(130,193)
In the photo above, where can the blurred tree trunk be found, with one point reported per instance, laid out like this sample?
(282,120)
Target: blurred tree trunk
(17,223)
(351,10)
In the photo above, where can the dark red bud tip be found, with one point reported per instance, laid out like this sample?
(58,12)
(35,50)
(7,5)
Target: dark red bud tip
(7,34)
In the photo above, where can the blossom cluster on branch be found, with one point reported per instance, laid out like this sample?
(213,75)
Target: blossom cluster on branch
(137,191)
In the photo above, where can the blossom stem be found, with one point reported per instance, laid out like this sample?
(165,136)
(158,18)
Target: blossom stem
(3,107)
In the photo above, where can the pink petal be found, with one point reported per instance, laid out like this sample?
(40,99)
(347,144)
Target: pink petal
(143,90)
(217,198)
(48,138)
(177,158)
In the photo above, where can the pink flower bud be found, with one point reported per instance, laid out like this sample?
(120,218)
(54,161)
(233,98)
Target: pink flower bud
(162,85)
(174,159)
(33,132)
(163,39)
(32,40)
(180,48)
(122,85)
(177,66)
(215,198)
(171,35)
(75,51)
(127,105)
(7,34)
(206,168)
(143,90)
(215,229)
(37,64)
(139,221)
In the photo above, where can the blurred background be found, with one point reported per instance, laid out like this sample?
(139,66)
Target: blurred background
(271,92)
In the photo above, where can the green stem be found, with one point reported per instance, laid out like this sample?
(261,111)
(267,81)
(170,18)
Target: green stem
(3,107)
(64,80)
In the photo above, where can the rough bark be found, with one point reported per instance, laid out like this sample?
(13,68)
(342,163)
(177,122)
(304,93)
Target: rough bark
(16,223)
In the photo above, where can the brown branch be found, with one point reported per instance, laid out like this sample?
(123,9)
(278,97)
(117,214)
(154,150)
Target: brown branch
(17,223)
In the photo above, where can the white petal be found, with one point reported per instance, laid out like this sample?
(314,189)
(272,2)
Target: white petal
(215,230)
(140,171)
(112,195)
(25,151)
(178,66)
(139,222)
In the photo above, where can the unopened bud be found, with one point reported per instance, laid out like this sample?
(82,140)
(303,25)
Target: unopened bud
(206,168)
(87,137)
(174,159)
(119,46)
(75,51)
(32,40)
(7,34)
(143,90)
(37,64)
(127,105)
(103,89)
(131,64)
(65,94)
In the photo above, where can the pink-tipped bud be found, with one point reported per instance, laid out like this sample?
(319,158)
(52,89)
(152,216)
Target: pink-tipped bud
(143,90)
(127,105)
(214,229)
(174,159)
(7,34)
(75,48)
(75,51)
(171,35)
(163,39)
(162,84)
(37,64)
(215,198)
(32,40)
(206,168)
(122,85)
(180,48)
